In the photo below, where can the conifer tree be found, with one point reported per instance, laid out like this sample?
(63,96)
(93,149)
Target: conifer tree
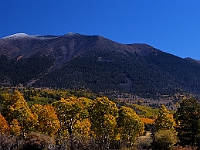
(188,122)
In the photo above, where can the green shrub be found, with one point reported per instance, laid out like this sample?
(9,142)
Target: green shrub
(165,139)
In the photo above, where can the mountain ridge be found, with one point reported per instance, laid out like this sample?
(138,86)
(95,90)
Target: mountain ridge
(95,63)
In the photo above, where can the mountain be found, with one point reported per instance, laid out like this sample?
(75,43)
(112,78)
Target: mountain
(95,63)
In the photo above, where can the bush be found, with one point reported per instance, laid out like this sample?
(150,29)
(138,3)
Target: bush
(185,148)
(165,139)
(144,143)
(37,141)
(7,142)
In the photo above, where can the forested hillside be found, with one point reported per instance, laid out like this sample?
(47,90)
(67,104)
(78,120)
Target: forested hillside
(96,64)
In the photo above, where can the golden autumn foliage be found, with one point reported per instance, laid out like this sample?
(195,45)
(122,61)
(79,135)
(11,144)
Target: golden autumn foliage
(16,107)
(48,122)
(71,112)
(74,118)
(4,127)
(82,127)
(103,114)
(129,124)
(14,127)
(164,120)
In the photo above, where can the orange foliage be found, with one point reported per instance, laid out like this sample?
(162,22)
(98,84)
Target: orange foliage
(3,125)
(148,121)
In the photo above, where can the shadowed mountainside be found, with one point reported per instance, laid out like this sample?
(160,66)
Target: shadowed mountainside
(95,63)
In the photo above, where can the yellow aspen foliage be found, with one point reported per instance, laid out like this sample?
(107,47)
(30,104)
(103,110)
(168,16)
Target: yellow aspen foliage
(164,120)
(4,127)
(110,124)
(16,107)
(6,101)
(15,127)
(48,122)
(69,111)
(82,128)
(103,114)
(36,108)
(87,103)
(130,124)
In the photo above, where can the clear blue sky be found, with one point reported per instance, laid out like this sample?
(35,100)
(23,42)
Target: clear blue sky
(172,26)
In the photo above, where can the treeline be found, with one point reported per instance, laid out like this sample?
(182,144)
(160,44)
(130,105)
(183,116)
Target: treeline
(68,123)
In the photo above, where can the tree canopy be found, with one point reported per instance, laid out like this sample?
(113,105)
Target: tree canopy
(164,120)
(129,124)
(75,121)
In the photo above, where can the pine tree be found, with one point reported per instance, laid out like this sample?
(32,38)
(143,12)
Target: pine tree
(188,122)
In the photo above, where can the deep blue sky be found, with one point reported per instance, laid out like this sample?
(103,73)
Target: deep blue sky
(172,26)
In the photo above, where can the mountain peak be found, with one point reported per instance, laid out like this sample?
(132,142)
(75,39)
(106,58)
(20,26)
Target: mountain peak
(17,35)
